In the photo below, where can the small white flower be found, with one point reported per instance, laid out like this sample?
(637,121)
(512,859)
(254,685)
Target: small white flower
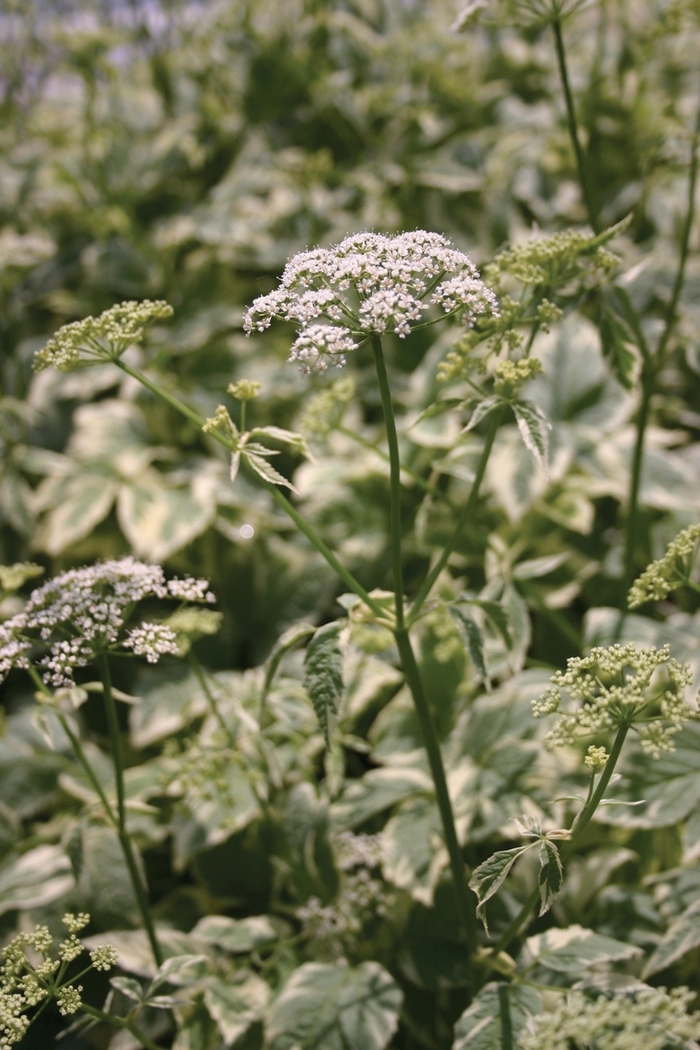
(152,640)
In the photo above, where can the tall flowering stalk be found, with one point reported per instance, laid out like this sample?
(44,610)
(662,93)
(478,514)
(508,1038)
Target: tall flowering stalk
(365,287)
(80,618)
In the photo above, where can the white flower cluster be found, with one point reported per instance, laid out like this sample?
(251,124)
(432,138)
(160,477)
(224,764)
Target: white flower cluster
(652,1019)
(102,338)
(24,983)
(353,851)
(669,572)
(82,611)
(152,640)
(620,685)
(367,285)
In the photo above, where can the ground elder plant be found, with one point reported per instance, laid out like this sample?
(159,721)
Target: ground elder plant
(406,376)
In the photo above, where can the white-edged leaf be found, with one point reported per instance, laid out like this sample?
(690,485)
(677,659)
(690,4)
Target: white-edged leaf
(129,987)
(236,1003)
(551,875)
(323,674)
(682,936)
(239,936)
(296,442)
(257,462)
(490,876)
(172,969)
(482,410)
(38,877)
(533,568)
(534,429)
(335,1007)
(235,464)
(472,637)
(575,948)
(498,1013)
(86,500)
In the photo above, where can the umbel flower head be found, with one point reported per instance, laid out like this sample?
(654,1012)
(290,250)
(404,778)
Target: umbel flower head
(83,612)
(650,1018)
(616,686)
(367,285)
(669,572)
(95,340)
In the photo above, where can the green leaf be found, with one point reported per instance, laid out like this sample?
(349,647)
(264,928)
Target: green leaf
(40,876)
(534,429)
(575,948)
(533,568)
(235,465)
(615,338)
(551,875)
(158,520)
(682,936)
(323,674)
(414,854)
(482,410)
(496,1017)
(265,470)
(335,1007)
(129,987)
(490,876)
(472,636)
(239,936)
(86,499)
(497,615)
(376,791)
(236,1003)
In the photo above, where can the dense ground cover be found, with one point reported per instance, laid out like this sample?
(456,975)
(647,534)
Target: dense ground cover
(282,796)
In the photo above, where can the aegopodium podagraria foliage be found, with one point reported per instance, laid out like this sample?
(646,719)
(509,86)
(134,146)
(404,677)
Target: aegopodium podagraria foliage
(667,573)
(26,984)
(651,1019)
(616,686)
(369,284)
(95,340)
(84,612)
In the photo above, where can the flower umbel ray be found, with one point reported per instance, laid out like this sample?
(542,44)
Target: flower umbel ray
(367,285)
(620,685)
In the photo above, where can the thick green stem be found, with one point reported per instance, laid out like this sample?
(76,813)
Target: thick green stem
(451,544)
(408,660)
(278,497)
(465,906)
(395,528)
(578,827)
(573,129)
(120,1022)
(122,832)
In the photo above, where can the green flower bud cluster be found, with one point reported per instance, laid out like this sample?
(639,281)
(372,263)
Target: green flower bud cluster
(550,262)
(244,389)
(24,983)
(616,686)
(325,411)
(221,420)
(512,375)
(95,340)
(650,1018)
(669,572)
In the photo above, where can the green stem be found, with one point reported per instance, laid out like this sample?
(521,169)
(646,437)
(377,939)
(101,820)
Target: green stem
(408,660)
(578,827)
(573,128)
(211,700)
(120,1022)
(449,547)
(465,909)
(122,832)
(505,1018)
(395,474)
(278,497)
(416,478)
(650,370)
